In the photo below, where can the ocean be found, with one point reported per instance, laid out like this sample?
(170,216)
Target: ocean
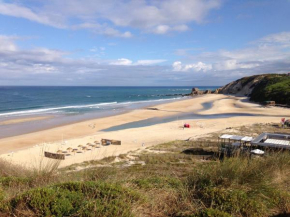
(67,105)
(23,101)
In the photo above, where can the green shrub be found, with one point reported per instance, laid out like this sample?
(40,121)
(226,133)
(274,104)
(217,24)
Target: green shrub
(13,181)
(49,201)
(74,198)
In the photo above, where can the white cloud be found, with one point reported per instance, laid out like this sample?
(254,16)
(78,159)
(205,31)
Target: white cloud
(104,17)
(103,29)
(279,38)
(53,67)
(233,64)
(163,29)
(115,33)
(122,62)
(24,12)
(269,54)
(127,62)
(200,66)
(7,43)
(177,66)
(43,68)
(149,62)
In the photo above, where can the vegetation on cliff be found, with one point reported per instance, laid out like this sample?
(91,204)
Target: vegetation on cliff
(272,87)
(261,88)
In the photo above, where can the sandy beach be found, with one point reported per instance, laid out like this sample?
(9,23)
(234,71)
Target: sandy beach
(22,120)
(224,111)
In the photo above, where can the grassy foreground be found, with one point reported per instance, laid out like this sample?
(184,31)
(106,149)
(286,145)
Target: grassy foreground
(163,181)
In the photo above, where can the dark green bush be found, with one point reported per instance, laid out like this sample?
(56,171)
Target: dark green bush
(74,198)
(49,201)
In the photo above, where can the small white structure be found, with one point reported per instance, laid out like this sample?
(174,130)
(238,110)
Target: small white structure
(241,139)
(257,152)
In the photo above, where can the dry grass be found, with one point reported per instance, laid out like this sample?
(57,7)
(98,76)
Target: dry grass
(170,183)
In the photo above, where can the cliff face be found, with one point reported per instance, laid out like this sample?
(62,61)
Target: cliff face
(243,86)
(260,88)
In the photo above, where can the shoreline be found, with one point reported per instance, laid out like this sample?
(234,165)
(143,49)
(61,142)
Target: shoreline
(19,148)
(37,123)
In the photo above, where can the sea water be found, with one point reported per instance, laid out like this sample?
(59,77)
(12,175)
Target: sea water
(66,105)
(22,101)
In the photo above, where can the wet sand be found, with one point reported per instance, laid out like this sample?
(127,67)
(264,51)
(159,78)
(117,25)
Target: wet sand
(22,120)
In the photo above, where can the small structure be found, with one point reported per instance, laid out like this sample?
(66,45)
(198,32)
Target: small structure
(54,155)
(233,145)
(257,152)
(235,138)
(110,141)
(272,140)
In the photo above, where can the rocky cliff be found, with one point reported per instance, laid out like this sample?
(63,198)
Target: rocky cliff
(243,86)
(260,88)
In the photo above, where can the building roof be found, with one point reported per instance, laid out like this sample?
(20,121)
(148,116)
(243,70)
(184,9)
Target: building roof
(236,137)
(272,140)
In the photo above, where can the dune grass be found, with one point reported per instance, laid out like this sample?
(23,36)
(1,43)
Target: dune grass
(170,183)
(233,187)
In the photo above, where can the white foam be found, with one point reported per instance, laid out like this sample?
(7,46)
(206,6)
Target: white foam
(50,110)
(91,106)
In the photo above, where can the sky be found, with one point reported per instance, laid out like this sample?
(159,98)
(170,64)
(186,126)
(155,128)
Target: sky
(141,42)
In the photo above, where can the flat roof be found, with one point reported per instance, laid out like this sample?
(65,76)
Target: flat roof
(273,140)
(236,137)
(277,141)
(225,136)
(247,139)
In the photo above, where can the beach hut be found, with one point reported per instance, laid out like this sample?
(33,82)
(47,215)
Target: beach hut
(96,146)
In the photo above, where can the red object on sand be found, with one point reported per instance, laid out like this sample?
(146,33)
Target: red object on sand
(186,125)
(283,120)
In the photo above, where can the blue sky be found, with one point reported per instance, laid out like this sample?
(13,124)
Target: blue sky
(141,42)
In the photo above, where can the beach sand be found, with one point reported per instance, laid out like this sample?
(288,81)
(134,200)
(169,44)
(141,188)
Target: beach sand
(27,150)
(22,120)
